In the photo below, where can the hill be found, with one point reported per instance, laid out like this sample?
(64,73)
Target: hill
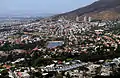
(101,9)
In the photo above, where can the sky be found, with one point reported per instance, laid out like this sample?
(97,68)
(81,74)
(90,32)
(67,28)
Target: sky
(37,7)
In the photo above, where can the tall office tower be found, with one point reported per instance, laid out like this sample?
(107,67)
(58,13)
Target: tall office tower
(77,19)
(89,19)
(85,19)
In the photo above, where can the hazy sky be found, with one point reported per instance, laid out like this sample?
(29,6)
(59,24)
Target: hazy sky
(36,7)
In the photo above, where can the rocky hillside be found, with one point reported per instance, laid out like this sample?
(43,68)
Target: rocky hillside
(101,9)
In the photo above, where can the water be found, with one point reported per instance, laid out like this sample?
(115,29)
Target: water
(54,44)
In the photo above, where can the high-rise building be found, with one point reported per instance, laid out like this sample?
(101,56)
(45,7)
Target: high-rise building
(85,19)
(77,19)
(89,19)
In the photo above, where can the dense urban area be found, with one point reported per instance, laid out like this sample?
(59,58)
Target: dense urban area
(60,48)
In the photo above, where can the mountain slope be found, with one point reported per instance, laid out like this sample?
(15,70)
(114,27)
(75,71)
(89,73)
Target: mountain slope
(102,9)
